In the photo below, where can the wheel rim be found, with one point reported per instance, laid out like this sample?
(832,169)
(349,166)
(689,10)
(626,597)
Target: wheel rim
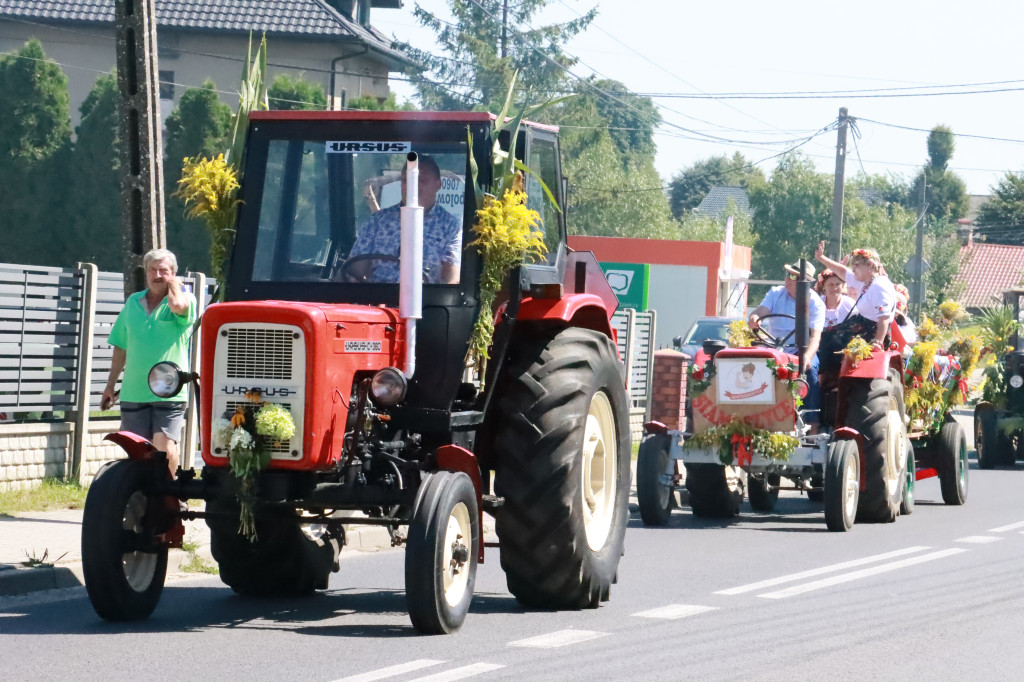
(455,559)
(851,487)
(963,464)
(598,471)
(895,444)
(139,567)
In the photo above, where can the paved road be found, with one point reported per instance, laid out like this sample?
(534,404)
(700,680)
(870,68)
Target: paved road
(937,595)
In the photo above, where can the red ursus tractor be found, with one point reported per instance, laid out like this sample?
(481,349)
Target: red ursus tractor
(388,419)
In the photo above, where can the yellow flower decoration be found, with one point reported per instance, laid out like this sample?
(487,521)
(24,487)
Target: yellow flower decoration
(209,188)
(507,234)
(858,349)
(951,311)
(740,335)
(928,330)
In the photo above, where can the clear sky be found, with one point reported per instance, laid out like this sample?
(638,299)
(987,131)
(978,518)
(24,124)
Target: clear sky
(676,47)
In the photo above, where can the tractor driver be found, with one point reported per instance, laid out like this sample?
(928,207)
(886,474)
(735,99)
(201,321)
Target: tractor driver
(781,300)
(382,234)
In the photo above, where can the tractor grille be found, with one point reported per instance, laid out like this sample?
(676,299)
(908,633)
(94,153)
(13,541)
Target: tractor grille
(260,353)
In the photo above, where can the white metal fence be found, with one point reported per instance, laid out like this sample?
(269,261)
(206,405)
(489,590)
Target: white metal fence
(636,348)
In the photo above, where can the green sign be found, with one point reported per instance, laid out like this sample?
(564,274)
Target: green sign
(629,282)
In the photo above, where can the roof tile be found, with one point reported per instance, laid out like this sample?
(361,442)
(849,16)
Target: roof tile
(989,270)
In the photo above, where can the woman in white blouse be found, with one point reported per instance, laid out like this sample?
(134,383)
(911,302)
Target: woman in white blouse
(876,301)
(832,290)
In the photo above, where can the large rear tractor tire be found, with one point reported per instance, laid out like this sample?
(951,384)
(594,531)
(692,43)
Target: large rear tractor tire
(763,492)
(873,410)
(712,493)
(563,468)
(987,443)
(282,562)
(123,566)
(654,497)
(441,555)
(842,485)
(953,464)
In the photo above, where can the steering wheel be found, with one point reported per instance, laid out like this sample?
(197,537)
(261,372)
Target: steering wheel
(343,274)
(766,337)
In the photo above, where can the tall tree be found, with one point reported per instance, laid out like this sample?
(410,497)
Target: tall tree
(370,103)
(95,183)
(480,50)
(1001,218)
(295,93)
(198,126)
(792,211)
(945,191)
(35,142)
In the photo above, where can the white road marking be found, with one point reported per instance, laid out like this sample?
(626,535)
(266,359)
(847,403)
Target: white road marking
(559,638)
(979,539)
(460,673)
(673,611)
(1012,526)
(391,671)
(824,569)
(863,573)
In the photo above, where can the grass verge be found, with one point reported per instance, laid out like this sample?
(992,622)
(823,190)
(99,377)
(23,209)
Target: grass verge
(50,495)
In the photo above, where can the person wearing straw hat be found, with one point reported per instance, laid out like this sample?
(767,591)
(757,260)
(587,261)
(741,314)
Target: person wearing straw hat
(781,300)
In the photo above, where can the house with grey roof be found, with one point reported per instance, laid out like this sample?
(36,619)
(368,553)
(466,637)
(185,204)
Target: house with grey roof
(331,42)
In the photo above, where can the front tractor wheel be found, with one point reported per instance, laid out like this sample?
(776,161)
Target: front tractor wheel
(441,555)
(123,565)
(563,469)
(953,464)
(842,485)
(654,496)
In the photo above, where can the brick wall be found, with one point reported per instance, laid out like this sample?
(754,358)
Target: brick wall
(33,451)
(668,398)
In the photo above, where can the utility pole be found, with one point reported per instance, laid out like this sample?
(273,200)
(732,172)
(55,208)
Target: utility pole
(504,28)
(836,251)
(919,252)
(142,188)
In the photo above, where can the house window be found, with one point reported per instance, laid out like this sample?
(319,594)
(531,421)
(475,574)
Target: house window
(167,85)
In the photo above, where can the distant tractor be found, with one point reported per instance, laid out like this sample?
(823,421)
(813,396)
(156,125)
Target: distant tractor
(999,422)
(749,437)
(366,351)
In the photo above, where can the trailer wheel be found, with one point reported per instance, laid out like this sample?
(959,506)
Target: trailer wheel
(986,437)
(763,492)
(953,465)
(712,494)
(563,469)
(123,566)
(842,485)
(873,411)
(441,555)
(910,481)
(654,497)
(282,562)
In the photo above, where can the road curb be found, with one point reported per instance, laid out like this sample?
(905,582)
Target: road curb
(18,579)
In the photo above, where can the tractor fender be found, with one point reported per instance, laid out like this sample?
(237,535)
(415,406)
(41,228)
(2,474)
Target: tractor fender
(874,367)
(846,433)
(134,445)
(455,458)
(578,310)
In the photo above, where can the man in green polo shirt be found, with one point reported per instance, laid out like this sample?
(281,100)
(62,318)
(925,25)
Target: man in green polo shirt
(154,326)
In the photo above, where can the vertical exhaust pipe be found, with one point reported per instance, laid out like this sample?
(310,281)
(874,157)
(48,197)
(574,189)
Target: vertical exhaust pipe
(803,293)
(410,281)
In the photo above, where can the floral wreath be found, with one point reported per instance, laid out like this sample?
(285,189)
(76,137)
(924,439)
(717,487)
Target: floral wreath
(870,255)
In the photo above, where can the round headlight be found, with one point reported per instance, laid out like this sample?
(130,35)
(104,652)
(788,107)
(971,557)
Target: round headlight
(388,387)
(165,380)
(1016,381)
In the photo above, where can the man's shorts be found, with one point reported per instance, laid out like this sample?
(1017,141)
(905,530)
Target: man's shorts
(145,419)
